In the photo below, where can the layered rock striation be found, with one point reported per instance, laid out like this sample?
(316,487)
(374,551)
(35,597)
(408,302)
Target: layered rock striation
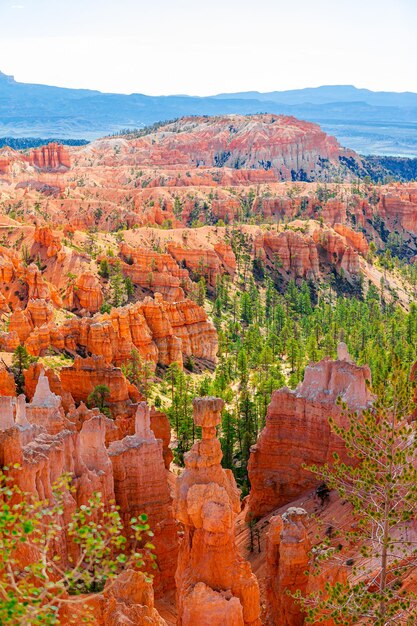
(277,145)
(162,332)
(51,157)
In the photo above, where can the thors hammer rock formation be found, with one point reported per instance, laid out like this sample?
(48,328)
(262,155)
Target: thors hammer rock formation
(215,585)
(287,560)
(297,431)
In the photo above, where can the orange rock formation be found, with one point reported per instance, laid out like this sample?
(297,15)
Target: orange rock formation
(7,383)
(84,375)
(162,332)
(155,271)
(212,578)
(297,431)
(287,561)
(140,484)
(50,157)
(295,253)
(264,142)
(47,442)
(127,601)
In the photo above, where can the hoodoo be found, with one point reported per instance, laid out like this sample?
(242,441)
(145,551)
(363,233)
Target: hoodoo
(140,483)
(287,559)
(215,585)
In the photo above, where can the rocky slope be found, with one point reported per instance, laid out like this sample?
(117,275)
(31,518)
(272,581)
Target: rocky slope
(202,170)
(282,144)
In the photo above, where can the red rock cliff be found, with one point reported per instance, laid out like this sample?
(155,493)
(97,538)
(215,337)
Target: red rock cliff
(162,332)
(297,431)
(50,157)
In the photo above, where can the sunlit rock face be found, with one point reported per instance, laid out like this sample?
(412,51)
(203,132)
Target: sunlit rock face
(161,331)
(126,601)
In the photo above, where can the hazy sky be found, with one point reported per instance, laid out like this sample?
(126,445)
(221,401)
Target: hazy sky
(195,47)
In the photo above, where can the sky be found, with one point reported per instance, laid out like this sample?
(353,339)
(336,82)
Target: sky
(201,48)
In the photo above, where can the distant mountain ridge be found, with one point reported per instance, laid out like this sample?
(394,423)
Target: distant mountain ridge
(383,123)
(328,94)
